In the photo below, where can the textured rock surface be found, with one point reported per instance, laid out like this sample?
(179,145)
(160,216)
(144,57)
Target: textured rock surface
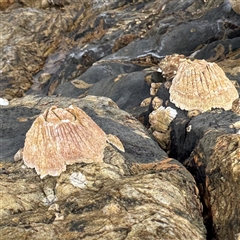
(118,36)
(102,110)
(186,133)
(5,4)
(109,48)
(139,194)
(216,167)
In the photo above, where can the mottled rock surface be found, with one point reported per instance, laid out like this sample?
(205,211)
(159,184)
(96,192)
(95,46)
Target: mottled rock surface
(215,166)
(139,194)
(113,48)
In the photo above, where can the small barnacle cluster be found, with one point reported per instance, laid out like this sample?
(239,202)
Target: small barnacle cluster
(61,137)
(154,88)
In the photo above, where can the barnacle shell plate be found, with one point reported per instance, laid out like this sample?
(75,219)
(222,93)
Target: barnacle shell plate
(59,137)
(161,118)
(201,85)
(235,5)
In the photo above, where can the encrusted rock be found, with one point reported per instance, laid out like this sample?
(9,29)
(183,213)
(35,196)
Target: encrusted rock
(216,164)
(136,194)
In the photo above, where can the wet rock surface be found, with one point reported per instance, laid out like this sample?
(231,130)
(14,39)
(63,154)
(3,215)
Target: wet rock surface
(113,49)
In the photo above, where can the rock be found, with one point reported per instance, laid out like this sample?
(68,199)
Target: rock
(136,194)
(215,165)
(113,49)
(30,36)
(186,133)
(125,84)
(68,49)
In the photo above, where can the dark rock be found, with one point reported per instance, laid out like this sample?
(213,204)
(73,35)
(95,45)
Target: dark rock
(15,122)
(215,166)
(186,133)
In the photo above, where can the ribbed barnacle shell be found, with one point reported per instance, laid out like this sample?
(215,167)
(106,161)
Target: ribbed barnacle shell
(59,137)
(235,5)
(201,85)
(169,65)
(236,106)
(161,118)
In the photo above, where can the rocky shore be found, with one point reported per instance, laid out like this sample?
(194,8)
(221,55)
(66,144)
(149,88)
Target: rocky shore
(178,176)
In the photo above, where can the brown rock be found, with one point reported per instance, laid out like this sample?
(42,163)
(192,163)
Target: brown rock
(35,4)
(110,202)
(236,106)
(216,163)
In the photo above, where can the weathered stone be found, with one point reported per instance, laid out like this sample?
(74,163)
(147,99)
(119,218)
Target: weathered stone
(186,133)
(136,194)
(36,3)
(146,33)
(215,166)
(108,48)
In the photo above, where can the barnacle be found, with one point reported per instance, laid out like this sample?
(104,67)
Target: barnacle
(236,106)
(154,88)
(201,85)
(161,118)
(193,113)
(169,65)
(235,5)
(60,137)
(156,103)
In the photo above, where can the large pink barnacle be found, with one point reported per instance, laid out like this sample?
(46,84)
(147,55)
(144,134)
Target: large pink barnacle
(61,137)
